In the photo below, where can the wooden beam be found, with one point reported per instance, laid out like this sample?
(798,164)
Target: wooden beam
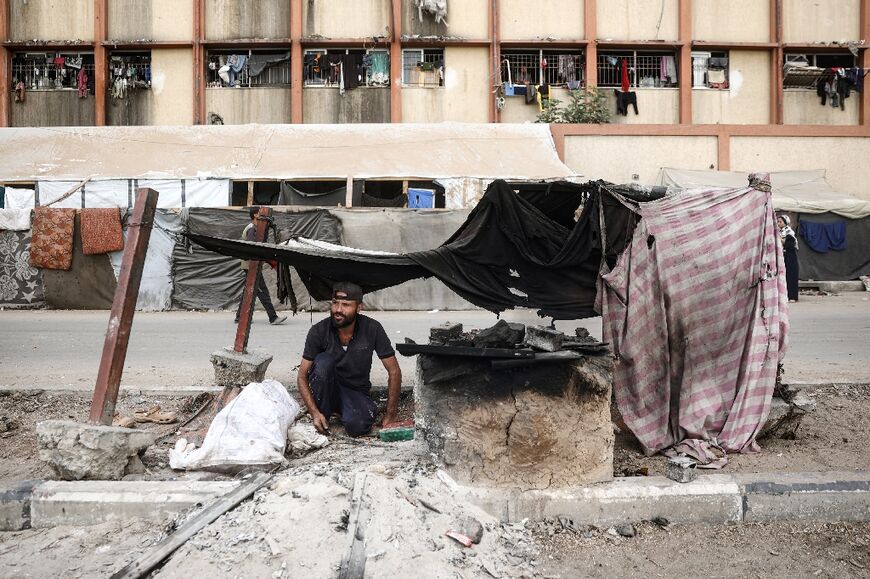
(664,130)
(685,62)
(297,69)
(101,61)
(396,62)
(864,62)
(146,562)
(123,308)
(5,64)
(250,199)
(590,26)
(246,310)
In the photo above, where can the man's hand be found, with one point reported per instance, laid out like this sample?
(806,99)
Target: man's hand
(320,423)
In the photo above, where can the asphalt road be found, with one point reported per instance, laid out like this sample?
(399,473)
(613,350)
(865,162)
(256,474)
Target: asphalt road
(829,341)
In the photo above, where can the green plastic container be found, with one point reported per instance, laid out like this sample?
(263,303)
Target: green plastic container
(397,433)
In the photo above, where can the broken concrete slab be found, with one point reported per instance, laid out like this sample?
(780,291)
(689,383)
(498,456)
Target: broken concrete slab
(89,503)
(15,506)
(502,335)
(233,368)
(76,451)
(443,333)
(544,338)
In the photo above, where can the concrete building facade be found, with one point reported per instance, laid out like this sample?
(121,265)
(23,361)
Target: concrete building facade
(709,76)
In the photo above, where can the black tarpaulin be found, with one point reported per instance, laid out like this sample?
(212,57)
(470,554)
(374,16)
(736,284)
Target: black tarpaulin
(507,254)
(206,279)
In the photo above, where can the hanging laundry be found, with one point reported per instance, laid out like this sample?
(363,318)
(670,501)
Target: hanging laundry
(543,96)
(531,95)
(421,198)
(74,62)
(624,84)
(52,243)
(567,72)
(668,70)
(101,231)
(82,83)
(257,63)
(379,67)
(822,237)
(19,92)
(623,100)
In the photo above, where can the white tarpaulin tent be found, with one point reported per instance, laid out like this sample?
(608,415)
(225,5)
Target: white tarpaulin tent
(174,193)
(794,191)
(364,151)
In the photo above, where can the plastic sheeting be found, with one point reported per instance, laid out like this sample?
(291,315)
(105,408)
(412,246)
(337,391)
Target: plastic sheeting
(845,265)
(795,191)
(290,195)
(362,151)
(402,230)
(174,193)
(155,289)
(207,280)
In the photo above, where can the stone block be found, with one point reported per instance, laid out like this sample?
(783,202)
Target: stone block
(76,451)
(544,338)
(15,506)
(443,333)
(502,335)
(233,368)
(92,502)
(533,427)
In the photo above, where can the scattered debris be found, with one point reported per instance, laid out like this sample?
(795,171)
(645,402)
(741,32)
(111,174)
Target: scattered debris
(459,538)
(544,338)
(626,530)
(443,333)
(154,414)
(303,437)
(502,335)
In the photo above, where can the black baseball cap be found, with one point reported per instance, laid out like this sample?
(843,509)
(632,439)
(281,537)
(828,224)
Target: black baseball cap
(345,290)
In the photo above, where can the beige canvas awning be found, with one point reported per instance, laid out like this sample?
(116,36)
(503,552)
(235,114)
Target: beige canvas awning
(400,151)
(797,191)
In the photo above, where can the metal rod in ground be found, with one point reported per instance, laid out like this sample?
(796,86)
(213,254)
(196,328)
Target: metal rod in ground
(157,554)
(246,312)
(123,308)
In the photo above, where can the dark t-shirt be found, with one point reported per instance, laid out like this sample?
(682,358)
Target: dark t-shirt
(354,366)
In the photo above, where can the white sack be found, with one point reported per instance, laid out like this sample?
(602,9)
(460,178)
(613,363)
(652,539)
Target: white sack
(251,431)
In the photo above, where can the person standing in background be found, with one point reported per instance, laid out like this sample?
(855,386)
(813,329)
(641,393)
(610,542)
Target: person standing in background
(249,234)
(789,249)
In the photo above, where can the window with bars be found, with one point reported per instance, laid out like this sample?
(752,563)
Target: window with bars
(423,67)
(129,71)
(552,67)
(325,67)
(646,69)
(52,71)
(710,70)
(241,68)
(803,70)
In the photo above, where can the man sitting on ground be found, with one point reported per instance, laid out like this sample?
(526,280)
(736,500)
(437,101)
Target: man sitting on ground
(337,361)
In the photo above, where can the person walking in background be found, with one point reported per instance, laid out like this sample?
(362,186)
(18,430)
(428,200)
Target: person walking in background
(249,234)
(790,249)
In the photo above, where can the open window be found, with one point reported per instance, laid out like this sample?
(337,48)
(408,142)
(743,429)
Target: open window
(61,70)
(710,70)
(357,66)
(246,68)
(646,69)
(805,70)
(128,72)
(552,67)
(423,67)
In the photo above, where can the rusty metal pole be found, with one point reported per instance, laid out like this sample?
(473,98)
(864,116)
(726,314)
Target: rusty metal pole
(247,309)
(123,308)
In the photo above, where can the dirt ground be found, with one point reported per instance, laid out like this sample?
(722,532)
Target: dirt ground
(833,437)
(262,537)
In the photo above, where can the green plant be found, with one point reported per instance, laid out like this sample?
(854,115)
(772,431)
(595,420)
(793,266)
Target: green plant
(586,105)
